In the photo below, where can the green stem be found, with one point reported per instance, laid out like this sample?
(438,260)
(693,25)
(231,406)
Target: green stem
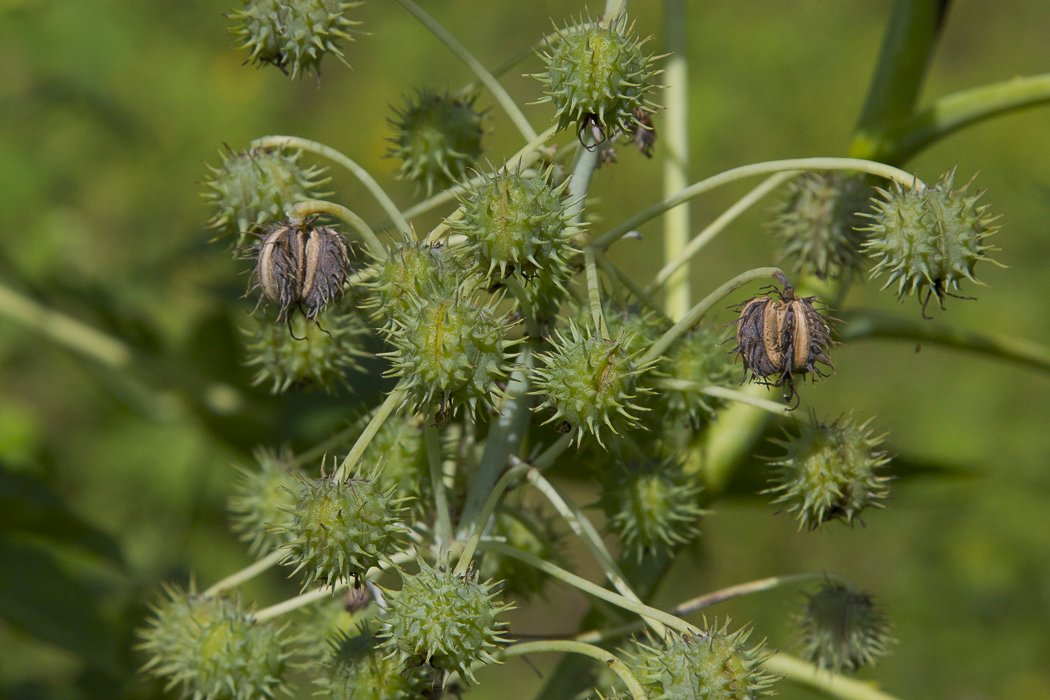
(594,295)
(573,647)
(693,316)
(310,207)
(716,227)
(443,526)
(393,401)
(803,673)
(675,148)
(582,528)
(324,447)
(870,167)
(496,495)
(721,392)
(860,325)
(488,80)
(954,112)
(340,159)
(246,574)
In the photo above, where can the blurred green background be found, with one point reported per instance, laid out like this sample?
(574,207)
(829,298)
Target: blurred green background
(112,481)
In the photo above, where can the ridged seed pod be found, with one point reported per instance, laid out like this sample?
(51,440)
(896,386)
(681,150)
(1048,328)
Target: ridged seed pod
(438,139)
(358,668)
(300,267)
(263,501)
(843,629)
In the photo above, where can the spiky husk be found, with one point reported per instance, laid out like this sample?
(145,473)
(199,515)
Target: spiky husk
(342,528)
(252,189)
(715,665)
(830,471)
(412,273)
(357,668)
(651,506)
(263,500)
(843,629)
(211,648)
(399,450)
(817,223)
(928,240)
(438,139)
(444,619)
(293,35)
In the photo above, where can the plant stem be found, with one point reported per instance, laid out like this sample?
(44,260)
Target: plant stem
(594,297)
(340,159)
(693,316)
(574,647)
(393,401)
(307,208)
(721,392)
(582,528)
(870,167)
(717,226)
(482,520)
(443,526)
(675,148)
(501,96)
(246,574)
(860,325)
(833,684)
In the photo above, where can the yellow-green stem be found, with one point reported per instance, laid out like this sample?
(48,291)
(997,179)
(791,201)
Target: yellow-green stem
(573,647)
(312,207)
(674,132)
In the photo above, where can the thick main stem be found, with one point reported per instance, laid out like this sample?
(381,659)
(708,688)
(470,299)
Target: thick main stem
(675,147)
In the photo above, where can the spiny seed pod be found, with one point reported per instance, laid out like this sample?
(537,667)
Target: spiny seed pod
(356,668)
(843,629)
(714,665)
(589,382)
(599,79)
(212,648)
(438,139)
(293,35)
(818,223)
(342,528)
(928,240)
(307,354)
(411,273)
(450,352)
(254,188)
(263,501)
(694,363)
(302,268)
(782,338)
(398,448)
(651,506)
(517,222)
(830,472)
(444,619)
(526,531)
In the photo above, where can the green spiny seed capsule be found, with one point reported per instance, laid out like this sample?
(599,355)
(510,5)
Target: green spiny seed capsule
(444,619)
(293,35)
(694,363)
(927,240)
(398,448)
(342,528)
(307,354)
(589,382)
(253,189)
(639,324)
(830,472)
(302,268)
(818,223)
(263,500)
(651,506)
(782,338)
(526,531)
(212,648)
(450,351)
(599,79)
(843,629)
(517,222)
(411,273)
(438,139)
(356,668)
(714,665)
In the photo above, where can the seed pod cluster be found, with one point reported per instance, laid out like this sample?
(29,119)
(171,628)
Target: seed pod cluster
(781,338)
(300,267)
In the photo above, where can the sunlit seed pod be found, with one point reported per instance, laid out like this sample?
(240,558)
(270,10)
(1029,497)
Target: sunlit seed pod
(304,268)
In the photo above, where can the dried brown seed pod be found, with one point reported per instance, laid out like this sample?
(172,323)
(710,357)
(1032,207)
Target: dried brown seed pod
(781,336)
(300,267)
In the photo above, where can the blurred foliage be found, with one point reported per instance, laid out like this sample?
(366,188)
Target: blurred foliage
(112,481)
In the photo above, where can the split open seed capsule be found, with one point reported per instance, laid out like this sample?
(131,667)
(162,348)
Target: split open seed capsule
(302,268)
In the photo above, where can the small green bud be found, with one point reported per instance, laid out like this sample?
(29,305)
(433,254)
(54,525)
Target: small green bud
(843,629)
(830,471)
(213,649)
(928,240)
(444,619)
(651,506)
(293,35)
(715,665)
(253,189)
(263,500)
(438,139)
(342,528)
(358,669)
(589,382)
